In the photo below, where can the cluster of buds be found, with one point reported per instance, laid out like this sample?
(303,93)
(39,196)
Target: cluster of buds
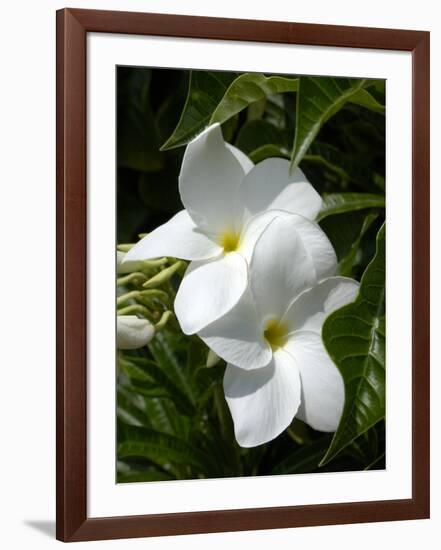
(145,294)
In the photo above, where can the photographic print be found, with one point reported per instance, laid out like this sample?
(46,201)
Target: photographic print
(221,278)
(250,283)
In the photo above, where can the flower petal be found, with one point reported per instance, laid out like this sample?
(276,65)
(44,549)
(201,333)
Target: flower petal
(178,238)
(127,267)
(262,402)
(254,228)
(246,163)
(132,332)
(269,185)
(209,290)
(237,336)
(317,244)
(309,310)
(209,181)
(280,268)
(319,247)
(323,391)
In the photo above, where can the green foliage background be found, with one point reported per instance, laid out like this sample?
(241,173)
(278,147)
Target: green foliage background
(173,421)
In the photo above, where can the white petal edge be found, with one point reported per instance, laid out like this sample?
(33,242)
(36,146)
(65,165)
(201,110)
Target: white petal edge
(246,163)
(269,185)
(280,268)
(319,247)
(254,229)
(316,243)
(237,337)
(127,267)
(209,181)
(323,393)
(310,309)
(209,290)
(262,402)
(132,332)
(178,238)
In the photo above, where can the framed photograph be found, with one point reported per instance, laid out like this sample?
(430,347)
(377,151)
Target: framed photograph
(240,344)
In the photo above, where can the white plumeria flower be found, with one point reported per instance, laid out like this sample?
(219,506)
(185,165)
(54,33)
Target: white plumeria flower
(228,202)
(132,332)
(277,366)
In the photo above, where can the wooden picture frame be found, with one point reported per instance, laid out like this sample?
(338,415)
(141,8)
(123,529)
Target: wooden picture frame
(72,28)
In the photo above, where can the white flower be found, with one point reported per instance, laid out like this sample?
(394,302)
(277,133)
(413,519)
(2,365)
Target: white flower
(278,367)
(132,332)
(228,202)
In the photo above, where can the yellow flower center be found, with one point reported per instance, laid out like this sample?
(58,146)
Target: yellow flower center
(229,241)
(275,333)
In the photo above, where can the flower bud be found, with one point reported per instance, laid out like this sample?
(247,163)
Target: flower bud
(212,359)
(163,276)
(132,332)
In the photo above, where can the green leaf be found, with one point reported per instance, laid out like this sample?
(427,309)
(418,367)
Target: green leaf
(365,99)
(339,203)
(205,91)
(318,99)
(354,337)
(346,264)
(165,356)
(160,448)
(258,133)
(267,151)
(343,230)
(162,414)
(148,379)
(249,88)
(364,448)
(217,97)
(378,464)
(349,167)
(130,407)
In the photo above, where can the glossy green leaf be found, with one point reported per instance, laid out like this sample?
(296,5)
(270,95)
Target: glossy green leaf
(217,97)
(354,337)
(365,99)
(206,89)
(249,88)
(267,151)
(318,99)
(339,203)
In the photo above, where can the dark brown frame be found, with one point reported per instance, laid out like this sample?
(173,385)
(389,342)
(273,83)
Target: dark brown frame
(72,28)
